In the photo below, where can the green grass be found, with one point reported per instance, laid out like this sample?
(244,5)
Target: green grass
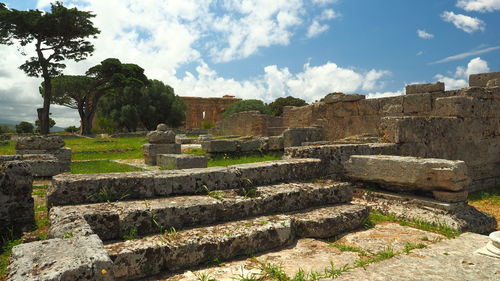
(228,161)
(100,166)
(5,253)
(377,217)
(491,196)
(112,148)
(347,248)
(8,149)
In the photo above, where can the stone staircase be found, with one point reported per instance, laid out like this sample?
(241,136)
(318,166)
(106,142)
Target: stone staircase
(165,221)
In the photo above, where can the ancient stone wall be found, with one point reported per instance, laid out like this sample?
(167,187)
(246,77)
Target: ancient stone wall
(250,123)
(209,110)
(16,204)
(340,119)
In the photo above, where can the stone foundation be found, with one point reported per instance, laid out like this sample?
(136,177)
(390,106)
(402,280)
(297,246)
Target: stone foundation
(181,161)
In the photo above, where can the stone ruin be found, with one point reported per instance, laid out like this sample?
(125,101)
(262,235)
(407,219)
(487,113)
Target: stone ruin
(125,226)
(164,150)
(46,156)
(17,213)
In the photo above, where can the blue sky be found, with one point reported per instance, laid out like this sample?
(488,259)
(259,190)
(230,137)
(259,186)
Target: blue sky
(266,49)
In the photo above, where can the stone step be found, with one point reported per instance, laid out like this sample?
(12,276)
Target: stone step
(174,251)
(70,189)
(116,220)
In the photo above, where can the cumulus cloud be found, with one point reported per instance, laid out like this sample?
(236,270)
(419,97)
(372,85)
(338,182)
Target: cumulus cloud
(479,5)
(424,34)
(311,84)
(463,22)
(316,29)
(461,76)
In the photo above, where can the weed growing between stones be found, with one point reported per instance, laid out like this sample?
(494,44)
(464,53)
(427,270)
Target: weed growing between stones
(154,217)
(410,246)
(108,195)
(216,194)
(132,234)
(387,253)
(347,248)
(204,277)
(441,228)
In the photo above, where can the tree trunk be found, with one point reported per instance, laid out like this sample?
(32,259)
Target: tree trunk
(44,113)
(87,120)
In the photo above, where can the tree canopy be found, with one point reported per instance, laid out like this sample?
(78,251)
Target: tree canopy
(83,92)
(147,106)
(57,35)
(24,127)
(276,106)
(246,105)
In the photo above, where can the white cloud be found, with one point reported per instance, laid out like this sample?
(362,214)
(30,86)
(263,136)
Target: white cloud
(324,2)
(424,34)
(479,5)
(313,83)
(377,95)
(316,29)
(463,22)
(328,14)
(420,53)
(467,54)
(461,76)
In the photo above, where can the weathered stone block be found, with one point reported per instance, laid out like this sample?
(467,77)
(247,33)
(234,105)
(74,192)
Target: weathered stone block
(249,145)
(296,136)
(275,143)
(76,258)
(158,137)
(482,79)
(417,103)
(369,107)
(42,165)
(409,173)
(392,106)
(16,204)
(424,88)
(39,143)
(219,146)
(181,161)
(493,83)
(340,97)
(151,151)
(452,197)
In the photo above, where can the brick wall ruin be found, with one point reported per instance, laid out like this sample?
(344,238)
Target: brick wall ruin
(200,110)
(250,123)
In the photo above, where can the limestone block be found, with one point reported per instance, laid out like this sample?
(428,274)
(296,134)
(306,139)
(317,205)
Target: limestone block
(207,137)
(296,136)
(68,220)
(417,103)
(219,146)
(181,161)
(369,107)
(391,106)
(493,83)
(76,258)
(452,197)
(161,137)
(62,154)
(343,109)
(275,143)
(409,173)
(39,143)
(340,97)
(16,204)
(249,145)
(424,88)
(162,127)
(150,151)
(482,79)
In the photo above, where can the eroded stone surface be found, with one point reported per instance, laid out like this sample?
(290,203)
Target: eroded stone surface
(339,97)
(481,79)
(219,146)
(76,258)
(163,136)
(181,161)
(115,220)
(296,136)
(425,88)
(39,143)
(16,204)
(409,173)
(450,260)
